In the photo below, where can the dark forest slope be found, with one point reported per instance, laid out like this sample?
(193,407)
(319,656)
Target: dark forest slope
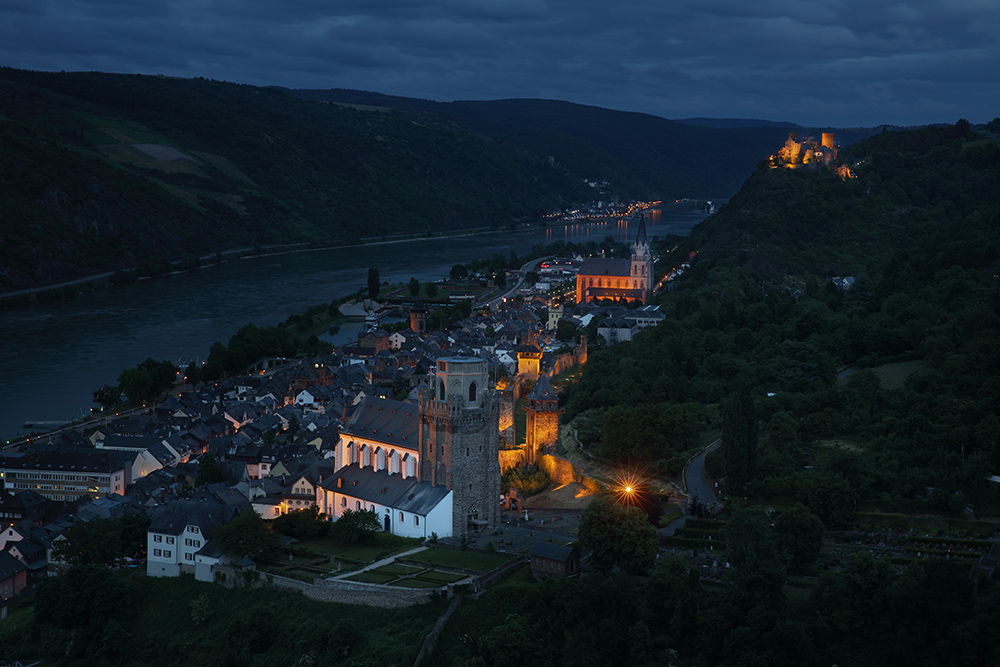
(643,155)
(914,190)
(99,171)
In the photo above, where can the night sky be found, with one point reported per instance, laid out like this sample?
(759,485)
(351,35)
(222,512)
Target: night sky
(841,63)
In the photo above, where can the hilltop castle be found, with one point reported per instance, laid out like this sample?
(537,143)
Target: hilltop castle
(796,153)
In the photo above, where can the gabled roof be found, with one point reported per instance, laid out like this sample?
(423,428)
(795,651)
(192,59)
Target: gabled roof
(552,551)
(408,495)
(605,266)
(385,420)
(174,517)
(10,566)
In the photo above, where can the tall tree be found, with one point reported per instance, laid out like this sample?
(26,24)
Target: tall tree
(373,282)
(617,534)
(246,535)
(739,440)
(208,471)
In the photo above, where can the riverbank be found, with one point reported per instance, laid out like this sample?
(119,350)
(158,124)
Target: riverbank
(68,288)
(103,279)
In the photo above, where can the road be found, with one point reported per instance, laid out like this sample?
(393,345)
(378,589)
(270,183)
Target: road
(695,482)
(528,266)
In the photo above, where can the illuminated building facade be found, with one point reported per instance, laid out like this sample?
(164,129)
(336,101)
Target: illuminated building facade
(448,442)
(618,279)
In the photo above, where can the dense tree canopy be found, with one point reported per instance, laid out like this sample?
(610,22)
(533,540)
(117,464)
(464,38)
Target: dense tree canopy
(617,534)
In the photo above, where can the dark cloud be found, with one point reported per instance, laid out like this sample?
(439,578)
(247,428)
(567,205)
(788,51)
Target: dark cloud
(836,62)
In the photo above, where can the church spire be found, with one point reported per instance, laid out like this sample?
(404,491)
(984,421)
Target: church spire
(640,237)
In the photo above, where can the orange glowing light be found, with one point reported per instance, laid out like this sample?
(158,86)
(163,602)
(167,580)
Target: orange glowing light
(628,488)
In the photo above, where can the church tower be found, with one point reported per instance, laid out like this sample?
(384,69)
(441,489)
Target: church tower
(459,441)
(642,262)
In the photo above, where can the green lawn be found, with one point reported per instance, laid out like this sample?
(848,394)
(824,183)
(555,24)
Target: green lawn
(466,560)
(416,583)
(396,574)
(388,545)
(373,577)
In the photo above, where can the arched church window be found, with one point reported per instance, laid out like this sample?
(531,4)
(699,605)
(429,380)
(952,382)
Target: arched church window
(472,393)
(441,391)
(591,282)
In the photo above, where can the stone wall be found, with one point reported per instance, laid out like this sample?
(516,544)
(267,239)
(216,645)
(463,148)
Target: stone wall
(564,362)
(510,458)
(561,472)
(352,592)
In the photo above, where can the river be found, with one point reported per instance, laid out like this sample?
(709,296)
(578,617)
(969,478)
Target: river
(56,354)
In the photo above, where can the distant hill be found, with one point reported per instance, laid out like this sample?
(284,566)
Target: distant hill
(646,156)
(100,172)
(915,190)
(734,122)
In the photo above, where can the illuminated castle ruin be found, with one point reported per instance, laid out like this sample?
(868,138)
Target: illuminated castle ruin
(797,153)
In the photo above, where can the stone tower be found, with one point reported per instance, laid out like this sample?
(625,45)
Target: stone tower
(418,319)
(529,357)
(642,261)
(459,441)
(542,421)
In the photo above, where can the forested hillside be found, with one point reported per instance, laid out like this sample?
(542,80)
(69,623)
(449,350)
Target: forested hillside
(916,427)
(647,156)
(105,171)
(892,457)
(100,171)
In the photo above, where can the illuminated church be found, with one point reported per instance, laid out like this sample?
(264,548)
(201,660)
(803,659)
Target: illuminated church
(628,279)
(425,467)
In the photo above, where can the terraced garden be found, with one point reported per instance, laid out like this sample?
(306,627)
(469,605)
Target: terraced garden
(407,576)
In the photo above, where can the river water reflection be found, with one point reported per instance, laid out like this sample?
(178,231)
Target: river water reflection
(56,354)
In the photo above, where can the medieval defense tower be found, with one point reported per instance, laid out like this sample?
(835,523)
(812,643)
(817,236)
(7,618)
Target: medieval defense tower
(459,441)
(542,421)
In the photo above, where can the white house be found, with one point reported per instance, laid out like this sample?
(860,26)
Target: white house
(177,533)
(405,506)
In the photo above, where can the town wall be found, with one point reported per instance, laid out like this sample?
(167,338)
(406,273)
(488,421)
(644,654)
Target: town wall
(561,472)
(510,458)
(352,592)
(564,362)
